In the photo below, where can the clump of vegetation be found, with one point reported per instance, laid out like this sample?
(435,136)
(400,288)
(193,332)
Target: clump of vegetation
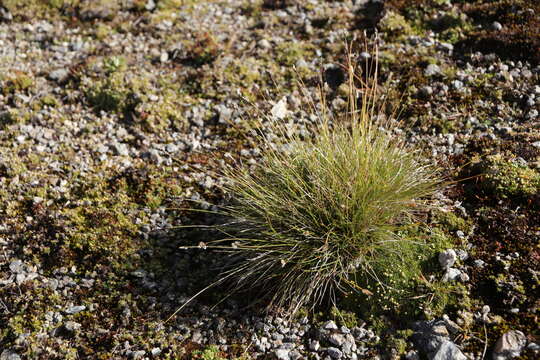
(18,82)
(510,178)
(210,353)
(204,49)
(318,213)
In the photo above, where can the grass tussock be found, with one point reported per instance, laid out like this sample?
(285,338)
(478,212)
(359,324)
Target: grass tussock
(316,213)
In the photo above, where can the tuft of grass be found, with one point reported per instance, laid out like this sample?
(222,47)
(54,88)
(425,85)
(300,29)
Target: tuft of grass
(318,212)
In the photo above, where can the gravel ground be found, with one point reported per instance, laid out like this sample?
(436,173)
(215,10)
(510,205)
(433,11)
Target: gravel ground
(116,116)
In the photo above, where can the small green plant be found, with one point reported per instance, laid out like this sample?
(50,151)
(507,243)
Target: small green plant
(210,353)
(317,214)
(114,64)
(319,211)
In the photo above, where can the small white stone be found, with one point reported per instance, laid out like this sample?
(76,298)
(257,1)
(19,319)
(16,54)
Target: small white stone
(447,258)
(279,110)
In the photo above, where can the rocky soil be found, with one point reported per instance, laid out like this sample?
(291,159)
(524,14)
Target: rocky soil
(117,116)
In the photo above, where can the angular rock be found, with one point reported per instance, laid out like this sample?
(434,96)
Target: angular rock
(282,354)
(16,267)
(75,309)
(447,258)
(509,345)
(7,354)
(334,353)
(336,339)
(59,75)
(451,274)
(432,70)
(448,351)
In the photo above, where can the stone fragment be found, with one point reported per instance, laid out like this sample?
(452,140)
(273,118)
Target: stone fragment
(282,354)
(8,354)
(75,309)
(509,345)
(330,325)
(432,70)
(451,274)
(334,353)
(447,258)
(59,75)
(16,267)
(448,351)
(279,110)
(496,26)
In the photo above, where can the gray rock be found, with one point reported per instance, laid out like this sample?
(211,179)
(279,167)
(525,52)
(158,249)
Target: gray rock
(349,345)
(155,352)
(20,278)
(461,254)
(412,355)
(334,353)
(533,346)
(425,91)
(295,355)
(479,263)
(301,64)
(6,16)
(432,69)
(282,354)
(72,326)
(336,339)
(279,110)
(59,75)
(314,345)
(8,354)
(496,26)
(448,351)
(224,113)
(446,47)
(75,309)
(509,345)
(429,335)
(137,354)
(197,337)
(451,274)
(365,55)
(121,149)
(450,325)
(447,258)
(16,267)
(153,154)
(330,325)
(264,44)
(150,5)
(456,84)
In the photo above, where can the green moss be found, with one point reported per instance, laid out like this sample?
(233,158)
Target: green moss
(403,291)
(396,26)
(342,317)
(450,222)
(28,9)
(114,64)
(134,99)
(509,178)
(212,352)
(289,52)
(19,82)
(109,94)
(49,100)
